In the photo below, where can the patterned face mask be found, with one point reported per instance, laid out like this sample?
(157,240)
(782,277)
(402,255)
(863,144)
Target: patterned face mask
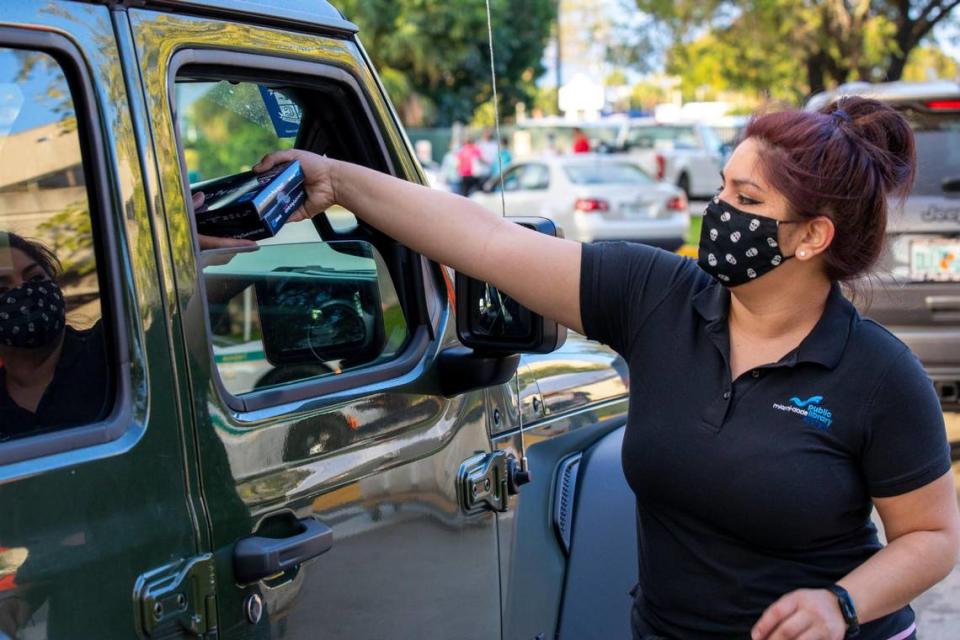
(737,247)
(31,315)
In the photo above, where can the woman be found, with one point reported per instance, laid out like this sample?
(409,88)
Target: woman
(767,417)
(53,375)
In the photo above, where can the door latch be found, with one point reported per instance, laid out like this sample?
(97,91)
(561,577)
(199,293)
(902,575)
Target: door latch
(178,598)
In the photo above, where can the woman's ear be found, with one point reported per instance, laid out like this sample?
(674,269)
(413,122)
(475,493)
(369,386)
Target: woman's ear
(814,237)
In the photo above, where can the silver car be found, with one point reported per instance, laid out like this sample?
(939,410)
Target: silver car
(593,197)
(917,295)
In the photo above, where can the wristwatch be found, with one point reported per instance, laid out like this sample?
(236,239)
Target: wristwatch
(847,609)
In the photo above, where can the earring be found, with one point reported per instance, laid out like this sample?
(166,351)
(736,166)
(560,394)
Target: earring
(803,254)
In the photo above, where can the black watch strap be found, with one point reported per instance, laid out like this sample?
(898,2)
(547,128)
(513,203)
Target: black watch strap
(847,609)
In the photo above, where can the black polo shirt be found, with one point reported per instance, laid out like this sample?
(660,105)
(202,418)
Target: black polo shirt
(748,489)
(75,396)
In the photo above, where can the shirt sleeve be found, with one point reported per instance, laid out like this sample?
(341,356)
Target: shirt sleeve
(622,283)
(906,444)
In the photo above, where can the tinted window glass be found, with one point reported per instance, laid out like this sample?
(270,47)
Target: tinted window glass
(646,137)
(226,127)
(535,176)
(606,173)
(54,371)
(286,313)
(938,151)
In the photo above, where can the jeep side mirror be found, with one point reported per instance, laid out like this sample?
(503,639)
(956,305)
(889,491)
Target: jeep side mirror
(489,321)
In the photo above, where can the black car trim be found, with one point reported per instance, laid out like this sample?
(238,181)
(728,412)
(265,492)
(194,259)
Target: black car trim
(107,249)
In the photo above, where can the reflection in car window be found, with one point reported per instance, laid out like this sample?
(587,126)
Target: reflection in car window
(606,173)
(54,371)
(285,313)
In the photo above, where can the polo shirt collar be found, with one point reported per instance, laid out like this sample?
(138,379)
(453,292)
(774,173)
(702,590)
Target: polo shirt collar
(825,343)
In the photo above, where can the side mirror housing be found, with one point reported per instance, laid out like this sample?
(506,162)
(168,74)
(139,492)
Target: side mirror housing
(489,321)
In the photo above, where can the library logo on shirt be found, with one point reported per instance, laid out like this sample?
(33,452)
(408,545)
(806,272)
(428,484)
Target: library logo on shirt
(810,409)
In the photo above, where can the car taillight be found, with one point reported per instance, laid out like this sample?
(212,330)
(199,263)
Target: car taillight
(591,205)
(677,203)
(943,105)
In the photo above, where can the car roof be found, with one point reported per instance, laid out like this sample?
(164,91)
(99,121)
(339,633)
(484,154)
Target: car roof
(311,13)
(888,92)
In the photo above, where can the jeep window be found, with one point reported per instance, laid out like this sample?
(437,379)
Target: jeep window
(54,367)
(938,150)
(297,307)
(647,137)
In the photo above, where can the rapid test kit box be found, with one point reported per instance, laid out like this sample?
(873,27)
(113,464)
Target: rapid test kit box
(249,205)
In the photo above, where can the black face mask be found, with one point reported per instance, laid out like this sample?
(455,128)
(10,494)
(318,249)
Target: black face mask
(737,247)
(32,315)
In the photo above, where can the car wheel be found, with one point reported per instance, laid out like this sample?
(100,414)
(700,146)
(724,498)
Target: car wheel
(683,182)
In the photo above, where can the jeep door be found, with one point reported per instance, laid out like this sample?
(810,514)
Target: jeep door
(94,480)
(328,460)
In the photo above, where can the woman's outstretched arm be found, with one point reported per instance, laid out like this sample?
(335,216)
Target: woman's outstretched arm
(541,272)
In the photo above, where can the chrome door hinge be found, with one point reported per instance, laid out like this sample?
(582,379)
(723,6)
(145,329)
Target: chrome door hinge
(487,480)
(178,599)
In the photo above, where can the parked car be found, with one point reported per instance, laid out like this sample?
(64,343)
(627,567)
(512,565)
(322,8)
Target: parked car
(593,197)
(299,439)
(917,293)
(689,155)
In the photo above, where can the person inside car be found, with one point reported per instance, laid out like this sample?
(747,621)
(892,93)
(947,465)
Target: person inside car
(767,418)
(52,375)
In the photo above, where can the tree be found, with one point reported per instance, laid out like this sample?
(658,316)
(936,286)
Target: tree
(830,41)
(436,51)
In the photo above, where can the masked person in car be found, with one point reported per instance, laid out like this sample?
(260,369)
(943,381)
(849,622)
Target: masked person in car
(767,418)
(52,375)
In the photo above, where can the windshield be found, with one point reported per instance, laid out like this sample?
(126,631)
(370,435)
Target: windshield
(606,173)
(938,150)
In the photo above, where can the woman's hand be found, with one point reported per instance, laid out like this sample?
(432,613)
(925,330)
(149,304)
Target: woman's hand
(805,614)
(317,183)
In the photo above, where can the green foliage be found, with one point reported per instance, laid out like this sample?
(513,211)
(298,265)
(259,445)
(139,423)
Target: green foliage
(787,49)
(437,50)
(230,131)
(70,237)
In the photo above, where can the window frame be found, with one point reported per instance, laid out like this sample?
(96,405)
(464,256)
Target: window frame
(414,278)
(118,420)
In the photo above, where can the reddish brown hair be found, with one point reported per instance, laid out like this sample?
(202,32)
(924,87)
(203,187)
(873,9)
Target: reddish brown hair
(842,162)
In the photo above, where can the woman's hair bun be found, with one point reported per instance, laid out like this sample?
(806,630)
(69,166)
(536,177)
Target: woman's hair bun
(883,134)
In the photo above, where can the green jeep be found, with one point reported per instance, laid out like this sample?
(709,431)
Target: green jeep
(317,436)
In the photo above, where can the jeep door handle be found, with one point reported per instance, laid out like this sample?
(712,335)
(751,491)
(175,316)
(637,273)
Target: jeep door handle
(259,557)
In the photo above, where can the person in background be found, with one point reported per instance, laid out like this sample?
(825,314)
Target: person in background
(505,158)
(580,142)
(488,154)
(469,163)
(449,172)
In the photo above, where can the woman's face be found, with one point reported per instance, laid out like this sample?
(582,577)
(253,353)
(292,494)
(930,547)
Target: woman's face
(744,186)
(17,267)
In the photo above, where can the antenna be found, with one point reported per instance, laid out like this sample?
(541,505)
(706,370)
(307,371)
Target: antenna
(503,204)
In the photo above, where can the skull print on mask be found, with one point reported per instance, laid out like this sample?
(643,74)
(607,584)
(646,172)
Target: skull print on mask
(737,247)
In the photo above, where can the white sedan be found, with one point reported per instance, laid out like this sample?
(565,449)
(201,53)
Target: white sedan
(593,197)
